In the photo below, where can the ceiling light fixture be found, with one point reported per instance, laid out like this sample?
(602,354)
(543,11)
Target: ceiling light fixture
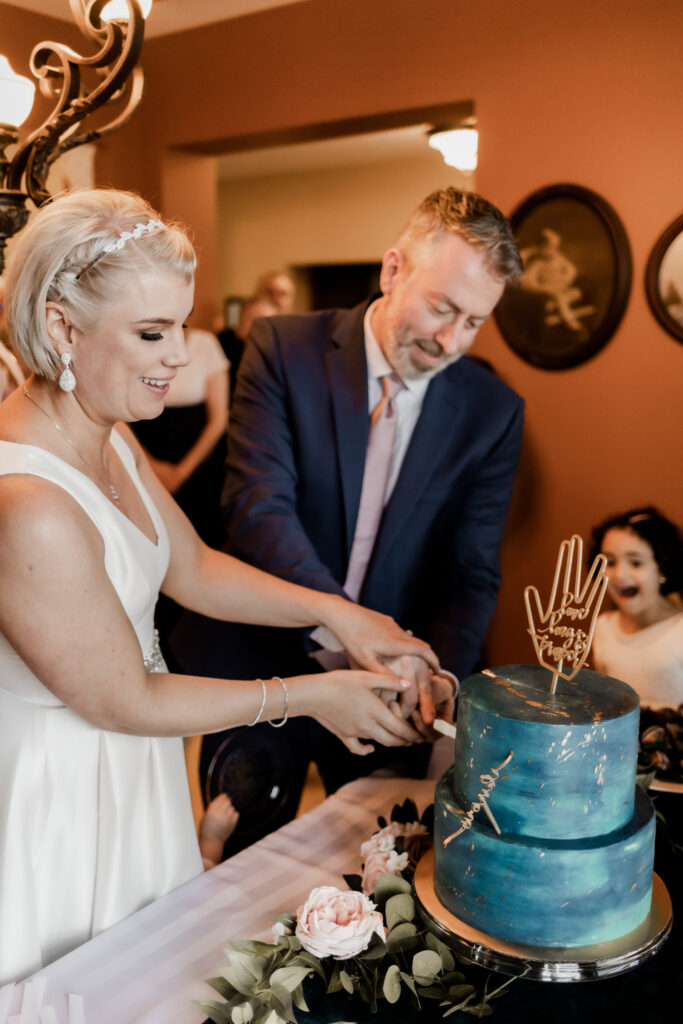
(458,146)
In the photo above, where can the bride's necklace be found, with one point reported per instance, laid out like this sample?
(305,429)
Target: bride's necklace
(112,489)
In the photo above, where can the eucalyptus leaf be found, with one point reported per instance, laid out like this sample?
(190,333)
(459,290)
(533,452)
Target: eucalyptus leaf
(408,980)
(388,886)
(253,965)
(461,991)
(221,986)
(334,984)
(347,981)
(500,990)
(274,1017)
(447,958)
(217,1012)
(365,971)
(251,946)
(425,966)
(432,992)
(270,1016)
(289,977)
(242,1014)
(481,1010)
(452,1009)
(402,938)
(288,920)
(453,978)
(307,959)
(281,1002)
(375,951)
(399,908)
(299,1000)
(243,977)
(392,984)
(365,991)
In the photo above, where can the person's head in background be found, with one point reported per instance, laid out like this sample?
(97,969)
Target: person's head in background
(644,552)
(252,308)
(442,280)
(277,288)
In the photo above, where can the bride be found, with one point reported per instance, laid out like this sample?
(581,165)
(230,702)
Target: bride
(95,817)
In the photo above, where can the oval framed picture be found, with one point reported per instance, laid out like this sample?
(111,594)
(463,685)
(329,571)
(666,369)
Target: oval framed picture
(664,279)
(576,281)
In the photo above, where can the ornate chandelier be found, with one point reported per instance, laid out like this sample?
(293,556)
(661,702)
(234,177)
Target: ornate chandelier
(79,85)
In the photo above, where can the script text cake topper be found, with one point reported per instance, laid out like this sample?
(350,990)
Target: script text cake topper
(563,633)
(489,779)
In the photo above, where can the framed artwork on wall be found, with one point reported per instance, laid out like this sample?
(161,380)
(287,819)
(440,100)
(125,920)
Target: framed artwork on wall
(576,281)
(664,279)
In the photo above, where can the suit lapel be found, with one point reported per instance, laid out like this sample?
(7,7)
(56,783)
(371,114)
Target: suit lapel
(347,376)
(439,420)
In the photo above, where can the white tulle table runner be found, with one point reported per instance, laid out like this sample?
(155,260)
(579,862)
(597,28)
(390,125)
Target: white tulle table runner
(149,968)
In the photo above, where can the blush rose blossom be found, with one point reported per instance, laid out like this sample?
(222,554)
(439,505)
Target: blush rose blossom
(337,923)
(379,852)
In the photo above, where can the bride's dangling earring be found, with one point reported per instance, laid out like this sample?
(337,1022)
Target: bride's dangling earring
(67,381)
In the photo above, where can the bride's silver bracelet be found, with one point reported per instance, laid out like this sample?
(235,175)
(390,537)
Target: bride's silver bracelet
(278,725)
(263,704)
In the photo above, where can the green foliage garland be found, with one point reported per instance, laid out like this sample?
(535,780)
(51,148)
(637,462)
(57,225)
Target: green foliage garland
(264,982)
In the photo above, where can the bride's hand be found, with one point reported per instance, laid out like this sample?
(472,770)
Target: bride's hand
(347,703)
(368,636)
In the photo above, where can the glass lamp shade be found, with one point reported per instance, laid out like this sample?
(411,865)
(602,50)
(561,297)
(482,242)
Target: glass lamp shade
(16,95)
(458,147)
(117,10)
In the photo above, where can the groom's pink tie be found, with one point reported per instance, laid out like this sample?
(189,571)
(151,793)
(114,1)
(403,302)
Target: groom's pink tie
(375,476)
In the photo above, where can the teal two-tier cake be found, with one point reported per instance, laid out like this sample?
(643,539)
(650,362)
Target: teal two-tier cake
(541,835)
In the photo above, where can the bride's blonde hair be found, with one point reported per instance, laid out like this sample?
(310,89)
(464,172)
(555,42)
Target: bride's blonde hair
(62,256)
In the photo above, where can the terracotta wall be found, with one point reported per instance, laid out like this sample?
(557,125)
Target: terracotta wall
(578,92)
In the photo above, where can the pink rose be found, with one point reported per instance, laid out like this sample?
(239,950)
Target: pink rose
(385,836)
(379,852)
(337,923)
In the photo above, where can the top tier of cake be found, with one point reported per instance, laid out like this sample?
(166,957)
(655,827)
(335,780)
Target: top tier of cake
(573,764)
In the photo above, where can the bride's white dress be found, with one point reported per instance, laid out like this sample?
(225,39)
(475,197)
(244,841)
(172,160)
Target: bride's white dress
(93,824)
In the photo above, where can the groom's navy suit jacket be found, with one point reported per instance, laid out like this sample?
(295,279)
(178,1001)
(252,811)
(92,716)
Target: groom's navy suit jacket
(297,440)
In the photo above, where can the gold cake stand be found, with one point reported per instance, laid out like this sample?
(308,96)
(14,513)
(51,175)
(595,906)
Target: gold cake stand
(544,963)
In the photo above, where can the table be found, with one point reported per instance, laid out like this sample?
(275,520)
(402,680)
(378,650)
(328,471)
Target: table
(149,968)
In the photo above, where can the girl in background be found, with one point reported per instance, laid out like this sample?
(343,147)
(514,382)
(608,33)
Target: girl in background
(641,640)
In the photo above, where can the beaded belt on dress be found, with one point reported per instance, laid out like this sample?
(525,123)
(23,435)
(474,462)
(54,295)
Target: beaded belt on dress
(154,659)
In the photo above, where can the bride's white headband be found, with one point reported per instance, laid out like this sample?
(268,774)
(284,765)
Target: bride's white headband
(125,236)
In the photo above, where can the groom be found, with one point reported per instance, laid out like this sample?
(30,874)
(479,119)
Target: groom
(367,457)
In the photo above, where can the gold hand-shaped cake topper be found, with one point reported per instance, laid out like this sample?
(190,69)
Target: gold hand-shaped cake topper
(565,629)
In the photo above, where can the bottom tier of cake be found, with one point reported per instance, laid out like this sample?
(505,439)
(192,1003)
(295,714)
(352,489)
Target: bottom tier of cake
(544,892)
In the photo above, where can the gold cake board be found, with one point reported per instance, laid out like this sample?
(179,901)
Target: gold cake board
(542,963)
